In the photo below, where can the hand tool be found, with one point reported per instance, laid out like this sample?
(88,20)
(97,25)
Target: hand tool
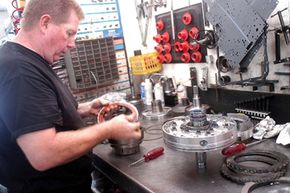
(152,154)
(238,147)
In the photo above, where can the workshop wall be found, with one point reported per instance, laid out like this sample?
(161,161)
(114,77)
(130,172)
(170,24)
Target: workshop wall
(180,71)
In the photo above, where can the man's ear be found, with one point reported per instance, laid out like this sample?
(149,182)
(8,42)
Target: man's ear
(45,20)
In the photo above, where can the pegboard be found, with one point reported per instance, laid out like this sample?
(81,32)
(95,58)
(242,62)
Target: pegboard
(185,20)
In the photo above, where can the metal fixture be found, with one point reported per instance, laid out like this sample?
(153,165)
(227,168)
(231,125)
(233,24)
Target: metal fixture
(199,132)
(156,112)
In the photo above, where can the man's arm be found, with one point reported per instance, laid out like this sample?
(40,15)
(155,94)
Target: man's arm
(47,148)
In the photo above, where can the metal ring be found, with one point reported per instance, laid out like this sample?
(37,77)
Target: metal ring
(275,161)
(242,178)
(249,187)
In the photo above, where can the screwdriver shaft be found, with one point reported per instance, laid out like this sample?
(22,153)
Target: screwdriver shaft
(152,154)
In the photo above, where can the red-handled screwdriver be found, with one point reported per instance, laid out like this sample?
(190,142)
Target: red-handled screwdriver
(152,154)
(238,147)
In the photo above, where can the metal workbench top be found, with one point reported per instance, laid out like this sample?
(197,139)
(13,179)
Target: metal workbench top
(173,172)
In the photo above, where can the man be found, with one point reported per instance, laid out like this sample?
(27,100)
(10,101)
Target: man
(43,143)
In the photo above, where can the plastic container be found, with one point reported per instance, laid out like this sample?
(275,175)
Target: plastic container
(145,64)
(148,92)
(142,91)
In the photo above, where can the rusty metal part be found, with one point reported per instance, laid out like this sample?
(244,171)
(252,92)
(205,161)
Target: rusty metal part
(275,161)
(265,166)
(243,178)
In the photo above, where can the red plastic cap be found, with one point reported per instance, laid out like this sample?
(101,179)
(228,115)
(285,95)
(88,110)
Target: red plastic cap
(195,47)
(183,35)
(167,47)
(185,57)
(157,38)
(186,18)
(168,58)
(184,46)
(193,32)
(158,48)
(177,47)
(196,56)
(165,37)
(160,25)
(161,58)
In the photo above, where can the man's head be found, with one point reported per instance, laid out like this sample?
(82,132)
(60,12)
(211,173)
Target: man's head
(59,10)
(53,25)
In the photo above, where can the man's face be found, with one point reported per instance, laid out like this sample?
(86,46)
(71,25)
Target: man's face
(61,38)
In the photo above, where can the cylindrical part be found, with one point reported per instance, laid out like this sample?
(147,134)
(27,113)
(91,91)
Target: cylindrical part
(158,92)
(195,100)
(156,106)
(200,159)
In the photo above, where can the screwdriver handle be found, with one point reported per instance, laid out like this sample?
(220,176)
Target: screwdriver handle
(235,148)
(154,153)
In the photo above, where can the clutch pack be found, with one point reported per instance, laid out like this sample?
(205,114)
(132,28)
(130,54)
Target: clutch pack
(121,147)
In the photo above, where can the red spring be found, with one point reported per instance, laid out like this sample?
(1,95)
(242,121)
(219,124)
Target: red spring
(177,47)
(193,32)
(185,57)
(165,37)
(196,56)
(183,35)
(185,46)
(168,58)
(186,18)
(158,48)
(157,38)
(195,47)
(167,47)
(160,25)
(161,58)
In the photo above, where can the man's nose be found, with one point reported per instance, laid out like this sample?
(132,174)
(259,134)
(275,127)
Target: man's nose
(71,44)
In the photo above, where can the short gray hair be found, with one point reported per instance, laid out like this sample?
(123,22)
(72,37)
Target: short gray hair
(59,10)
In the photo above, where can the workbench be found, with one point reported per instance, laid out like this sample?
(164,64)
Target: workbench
(173,172)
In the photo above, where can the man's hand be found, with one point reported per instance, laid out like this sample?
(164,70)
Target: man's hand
(124,127)
(91,108)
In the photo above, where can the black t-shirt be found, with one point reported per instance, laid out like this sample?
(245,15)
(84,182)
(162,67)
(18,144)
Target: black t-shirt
(32,98)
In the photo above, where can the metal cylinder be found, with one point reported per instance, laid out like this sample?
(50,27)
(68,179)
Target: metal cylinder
(200,159)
